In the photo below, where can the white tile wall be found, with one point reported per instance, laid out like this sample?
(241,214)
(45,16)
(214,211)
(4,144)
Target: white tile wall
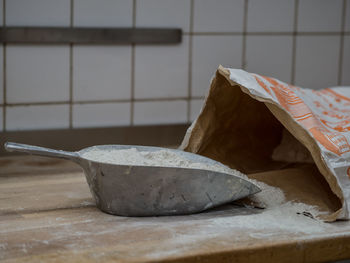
(1,118)
(270,15)
(346,62)
(101,115)
(218,16)
(320,15)
(1,12)
(37,73)
(196,106)
(163,13)
(160,112)
(208,53)
(347,16)
(101,72)
(161,71)
(37,117)
(37,12)
(270,56)
(159,74)
(317,61)
(1,74)
(103,13)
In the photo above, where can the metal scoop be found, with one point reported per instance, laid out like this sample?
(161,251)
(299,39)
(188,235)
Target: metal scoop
(133,190)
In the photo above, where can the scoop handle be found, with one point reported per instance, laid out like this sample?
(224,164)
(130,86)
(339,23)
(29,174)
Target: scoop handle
(42,151)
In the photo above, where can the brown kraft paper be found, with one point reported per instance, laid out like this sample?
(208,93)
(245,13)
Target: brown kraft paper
(244,119)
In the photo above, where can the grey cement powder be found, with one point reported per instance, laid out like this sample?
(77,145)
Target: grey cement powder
(164,158)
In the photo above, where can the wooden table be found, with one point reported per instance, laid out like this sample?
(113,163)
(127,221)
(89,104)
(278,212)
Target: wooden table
(47,214)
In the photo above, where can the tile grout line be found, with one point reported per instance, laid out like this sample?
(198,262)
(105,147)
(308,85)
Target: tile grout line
(190,52)
(70,86)
(294,44)
(24,104)
(132,85)
(71,69)
(4,109)
(268,33)
(341,45)
(244,34)
(132,73)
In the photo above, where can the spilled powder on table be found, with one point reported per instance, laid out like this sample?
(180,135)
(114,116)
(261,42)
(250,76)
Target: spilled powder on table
(278,214)
(287,217)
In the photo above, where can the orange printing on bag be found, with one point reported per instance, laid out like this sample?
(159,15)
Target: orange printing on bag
(327,133)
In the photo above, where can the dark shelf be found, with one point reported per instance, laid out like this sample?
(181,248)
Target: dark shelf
(63,35)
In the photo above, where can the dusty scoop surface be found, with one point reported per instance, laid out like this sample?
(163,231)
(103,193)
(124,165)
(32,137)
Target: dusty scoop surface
(147,181)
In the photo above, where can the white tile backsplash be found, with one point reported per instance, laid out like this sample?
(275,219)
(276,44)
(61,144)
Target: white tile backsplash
(101,115)
(270,56)
(37,117)
(159,74)
(218,16)
(1,12)
(320,15)
(160,112)
(317,61)
(103,13)
(208,53)
(163,13)
(346,62)
(161,71)
(37,73)
(1,119)
(101,72)
(196,106)
(347,16)
(270,15)
(1,74)
(38,12)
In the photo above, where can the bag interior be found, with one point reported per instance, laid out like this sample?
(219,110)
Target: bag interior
(242,133)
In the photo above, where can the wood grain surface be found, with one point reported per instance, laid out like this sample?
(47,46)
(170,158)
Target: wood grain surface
(47,215)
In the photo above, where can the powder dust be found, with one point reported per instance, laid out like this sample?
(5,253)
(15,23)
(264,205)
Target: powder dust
(164,158)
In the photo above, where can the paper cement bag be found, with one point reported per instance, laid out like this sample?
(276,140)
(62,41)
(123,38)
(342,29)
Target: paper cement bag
(293,138)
